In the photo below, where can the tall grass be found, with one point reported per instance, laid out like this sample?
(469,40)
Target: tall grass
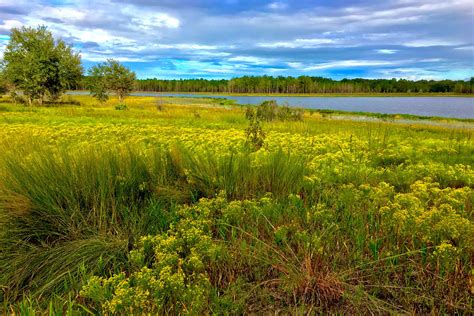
(240,175)
(63,210)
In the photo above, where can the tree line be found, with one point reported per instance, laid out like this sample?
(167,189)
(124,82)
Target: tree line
(305,84)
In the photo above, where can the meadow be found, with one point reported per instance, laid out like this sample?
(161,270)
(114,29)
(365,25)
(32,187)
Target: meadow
(168,207)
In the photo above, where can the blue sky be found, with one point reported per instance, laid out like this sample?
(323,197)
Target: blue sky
(413,39)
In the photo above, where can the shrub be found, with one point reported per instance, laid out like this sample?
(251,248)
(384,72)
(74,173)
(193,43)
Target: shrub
(121,107)
(269,111)
(169,272)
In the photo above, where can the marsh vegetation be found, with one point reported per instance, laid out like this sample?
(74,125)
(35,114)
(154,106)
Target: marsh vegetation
(172,209)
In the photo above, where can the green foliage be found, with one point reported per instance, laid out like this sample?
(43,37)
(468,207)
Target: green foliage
(121,107)
(110,76)
(38,65)
(286,113)
(97,84)
(168,275)
(255,134)
(269,111)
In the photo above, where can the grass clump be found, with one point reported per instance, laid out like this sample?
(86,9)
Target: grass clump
(121,107)
(70,209)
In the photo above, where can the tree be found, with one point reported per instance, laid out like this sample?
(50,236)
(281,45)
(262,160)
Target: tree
(97,83)
(38,65)
(110,76)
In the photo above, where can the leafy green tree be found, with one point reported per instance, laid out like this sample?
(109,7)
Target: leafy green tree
(110,76)
(97,83)
(38,65)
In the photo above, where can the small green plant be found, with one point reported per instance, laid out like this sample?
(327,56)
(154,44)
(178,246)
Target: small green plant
(254,132)
(121,107)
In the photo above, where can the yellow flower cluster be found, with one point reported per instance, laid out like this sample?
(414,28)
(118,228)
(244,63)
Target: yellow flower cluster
(432,214)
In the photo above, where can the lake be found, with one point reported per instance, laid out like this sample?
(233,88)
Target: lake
(454,107)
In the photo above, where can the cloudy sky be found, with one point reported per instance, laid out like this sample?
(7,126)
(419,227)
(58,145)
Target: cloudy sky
(414,39)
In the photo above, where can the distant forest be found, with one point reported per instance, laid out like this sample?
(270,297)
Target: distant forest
(304,84)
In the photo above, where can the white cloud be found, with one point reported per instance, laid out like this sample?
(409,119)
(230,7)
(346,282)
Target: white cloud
(436,4)
(221,69)
(250,59)
(300,43)
(210,53)
(387,51)
(430,60)
(150,21)
(277,5)
(178,46)
(429,43)
(64,14)
(349,64)
(7,25)
(99,36)
(296,65)
(410,74)
(195,46)
(466,48)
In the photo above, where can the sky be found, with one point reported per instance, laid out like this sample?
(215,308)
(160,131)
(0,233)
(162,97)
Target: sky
(214,39)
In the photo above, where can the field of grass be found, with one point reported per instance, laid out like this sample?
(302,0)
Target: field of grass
(163,207)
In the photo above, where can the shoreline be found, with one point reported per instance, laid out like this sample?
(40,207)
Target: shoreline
(377,115)
(337,113)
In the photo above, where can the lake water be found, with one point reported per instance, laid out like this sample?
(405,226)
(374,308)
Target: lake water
(454,107)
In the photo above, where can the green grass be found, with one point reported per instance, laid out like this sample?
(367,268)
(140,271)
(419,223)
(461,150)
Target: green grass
(168,210)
